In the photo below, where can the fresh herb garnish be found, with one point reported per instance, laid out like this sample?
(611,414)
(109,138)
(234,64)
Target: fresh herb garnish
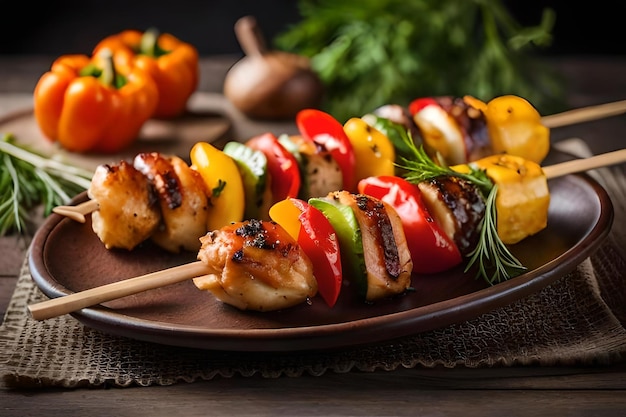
(421,167)
(494,261)
(370,53)
(28,179)
(490,253)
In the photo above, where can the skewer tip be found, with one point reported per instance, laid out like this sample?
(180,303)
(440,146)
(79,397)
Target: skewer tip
(69,212)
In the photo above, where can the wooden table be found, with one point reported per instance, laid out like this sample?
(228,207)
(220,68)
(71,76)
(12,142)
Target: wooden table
(533,391)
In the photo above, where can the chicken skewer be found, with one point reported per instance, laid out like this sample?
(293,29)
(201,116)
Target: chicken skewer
(197,270)
(462,129)
(566,118)
(156,197)
(252,265)
(79,211)
(176,176)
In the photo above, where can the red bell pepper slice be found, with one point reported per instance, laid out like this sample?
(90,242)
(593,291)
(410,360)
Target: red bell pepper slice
(318,240)
(419,103)
(431,249)
(327,132)
(282,166)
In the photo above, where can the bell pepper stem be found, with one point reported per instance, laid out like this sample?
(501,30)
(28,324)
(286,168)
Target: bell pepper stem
(150,44)
(108,75)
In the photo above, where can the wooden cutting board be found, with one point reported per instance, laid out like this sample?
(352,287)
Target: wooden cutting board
(175,137)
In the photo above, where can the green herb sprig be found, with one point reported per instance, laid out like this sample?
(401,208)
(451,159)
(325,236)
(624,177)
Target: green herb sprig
(490,254)
(421,167)
(493,259)
(28,179)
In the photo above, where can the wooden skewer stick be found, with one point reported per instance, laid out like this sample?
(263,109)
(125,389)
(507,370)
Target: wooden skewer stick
(584,114)
(585,164)
(74,302)
(77,212)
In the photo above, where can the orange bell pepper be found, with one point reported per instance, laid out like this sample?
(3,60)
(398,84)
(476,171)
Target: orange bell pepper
(172,63)
(87,104)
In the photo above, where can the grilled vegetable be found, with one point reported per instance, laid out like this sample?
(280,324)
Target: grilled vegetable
(451,129)
(343,220)
(457,206)
(395,122)
(514,127)
(282,166)
(317,238)
(373,152)
(386,256)
(432,250)
(252,165)
(523,197)
(221,175)
(460,130)
(493,259)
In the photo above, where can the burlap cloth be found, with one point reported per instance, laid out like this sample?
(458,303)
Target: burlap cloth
(578,320)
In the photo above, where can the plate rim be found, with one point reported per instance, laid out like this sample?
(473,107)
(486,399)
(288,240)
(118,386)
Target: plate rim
(336,335)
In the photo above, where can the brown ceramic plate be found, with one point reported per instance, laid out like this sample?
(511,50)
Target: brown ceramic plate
(67,257)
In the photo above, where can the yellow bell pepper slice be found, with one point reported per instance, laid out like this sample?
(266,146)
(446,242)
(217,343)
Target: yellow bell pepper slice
(220,173)
(286,214)
(514,127)
(374,153)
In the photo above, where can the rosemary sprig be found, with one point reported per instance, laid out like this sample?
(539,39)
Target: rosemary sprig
(490,252)
(421,167)
(28,179)
(494,260)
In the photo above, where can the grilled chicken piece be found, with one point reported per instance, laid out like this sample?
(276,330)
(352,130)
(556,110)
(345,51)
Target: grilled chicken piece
(256,265)
(457,206)
(387,256)
(183,200)
(320,172)
(128,210)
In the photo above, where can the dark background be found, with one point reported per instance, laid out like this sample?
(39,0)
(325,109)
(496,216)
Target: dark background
(77,26)
(57,28)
